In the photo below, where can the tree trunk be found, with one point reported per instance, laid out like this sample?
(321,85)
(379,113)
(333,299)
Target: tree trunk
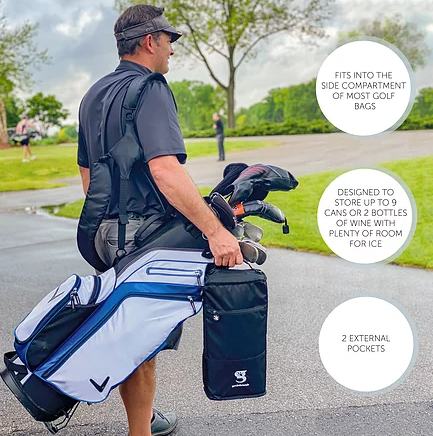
(3,123)
(231,90)
(231,105)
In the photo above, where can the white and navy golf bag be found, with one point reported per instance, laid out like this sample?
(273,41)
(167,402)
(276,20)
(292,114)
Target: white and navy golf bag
(90,333)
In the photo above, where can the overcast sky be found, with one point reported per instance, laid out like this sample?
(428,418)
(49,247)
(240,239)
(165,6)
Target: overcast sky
(79,37)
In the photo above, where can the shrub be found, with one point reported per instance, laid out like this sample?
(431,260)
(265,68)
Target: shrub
(51,140)
(415,122)
(63,137)
(268,129)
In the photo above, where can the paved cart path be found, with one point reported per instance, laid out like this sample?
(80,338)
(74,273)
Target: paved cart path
(38,252)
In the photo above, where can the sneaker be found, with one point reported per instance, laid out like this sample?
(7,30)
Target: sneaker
(26,160)
(33,157)
(163,424)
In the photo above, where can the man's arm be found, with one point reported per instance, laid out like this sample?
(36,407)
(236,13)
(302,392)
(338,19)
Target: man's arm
(85,178)
(180,191)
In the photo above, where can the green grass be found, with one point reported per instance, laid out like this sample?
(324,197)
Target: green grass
(210,148)
(54,162)
(300,207)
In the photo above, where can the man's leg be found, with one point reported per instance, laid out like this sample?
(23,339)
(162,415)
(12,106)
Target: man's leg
(220,147)
(137,394)
(138,390)
(25,153)
(32,157)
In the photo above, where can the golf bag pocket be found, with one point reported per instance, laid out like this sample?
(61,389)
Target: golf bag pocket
(235,325)
(58,315)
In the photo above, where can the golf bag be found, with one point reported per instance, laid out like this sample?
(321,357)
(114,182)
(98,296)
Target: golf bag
(90,333)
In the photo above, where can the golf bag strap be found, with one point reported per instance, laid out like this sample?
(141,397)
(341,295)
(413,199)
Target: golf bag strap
(130,103)
(123,217)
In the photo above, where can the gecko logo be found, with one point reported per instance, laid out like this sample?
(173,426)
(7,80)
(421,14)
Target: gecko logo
(241,376)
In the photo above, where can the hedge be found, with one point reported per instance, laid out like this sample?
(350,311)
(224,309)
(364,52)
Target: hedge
(299,128)
(268,129)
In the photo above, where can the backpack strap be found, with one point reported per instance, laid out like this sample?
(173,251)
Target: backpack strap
(123,155)
(127,158)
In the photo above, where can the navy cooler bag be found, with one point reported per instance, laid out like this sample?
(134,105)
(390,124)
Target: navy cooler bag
(235,307)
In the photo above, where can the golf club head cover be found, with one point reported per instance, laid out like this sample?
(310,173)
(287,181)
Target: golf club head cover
(223,211)
(263,210)
(230,174)
(255,182)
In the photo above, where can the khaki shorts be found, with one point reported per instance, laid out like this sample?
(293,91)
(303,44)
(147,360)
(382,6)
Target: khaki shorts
(106,246)
(106,240)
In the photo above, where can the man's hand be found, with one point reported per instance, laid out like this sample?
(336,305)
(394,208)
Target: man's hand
(225,249)
(178,188)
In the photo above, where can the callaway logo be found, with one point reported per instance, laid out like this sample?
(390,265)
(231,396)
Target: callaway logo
(56,294)
(241,376)
(100,388)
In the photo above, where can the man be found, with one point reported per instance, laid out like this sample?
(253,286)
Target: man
(144,40)
(219,131)
(23,128)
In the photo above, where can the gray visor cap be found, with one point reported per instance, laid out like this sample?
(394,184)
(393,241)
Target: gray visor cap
(158,24)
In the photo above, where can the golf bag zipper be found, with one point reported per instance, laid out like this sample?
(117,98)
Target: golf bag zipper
(177,272)
(103,320)
(73,293)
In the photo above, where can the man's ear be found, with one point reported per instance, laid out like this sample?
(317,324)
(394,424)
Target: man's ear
(147,43)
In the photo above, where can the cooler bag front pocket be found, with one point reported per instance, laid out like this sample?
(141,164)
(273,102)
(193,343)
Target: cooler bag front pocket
(229,333)
(235,379)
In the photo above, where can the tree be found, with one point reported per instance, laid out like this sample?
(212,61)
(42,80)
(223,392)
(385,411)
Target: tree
(300,103)
(46,109)
(296,102)
(18,53)
(233,29)
(423,106)
(14,110)
(196,103)
(407,37)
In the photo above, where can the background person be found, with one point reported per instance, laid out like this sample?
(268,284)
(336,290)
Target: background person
(24,128)
(144,46)
(219,131)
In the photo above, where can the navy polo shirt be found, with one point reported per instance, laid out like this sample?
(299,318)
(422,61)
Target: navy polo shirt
(157,128)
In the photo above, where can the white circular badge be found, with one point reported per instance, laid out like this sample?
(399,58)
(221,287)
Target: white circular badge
(364,87)
(366,216)
(367,344)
